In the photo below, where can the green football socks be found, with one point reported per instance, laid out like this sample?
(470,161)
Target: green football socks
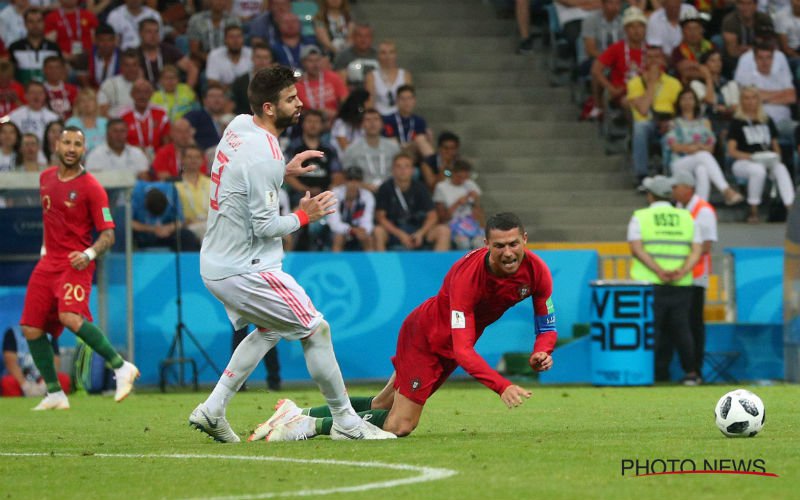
(359,404)
(42,354)
(375,417)
(95,339)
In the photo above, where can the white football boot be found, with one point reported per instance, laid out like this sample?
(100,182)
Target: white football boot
(363,430)
(53,401)
(299,428)
(285,410)
(216,427)
(126,375)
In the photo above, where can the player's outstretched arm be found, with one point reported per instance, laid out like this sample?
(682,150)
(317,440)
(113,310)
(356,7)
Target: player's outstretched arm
(295,167)
(319,206)
(514,395)
(81,260)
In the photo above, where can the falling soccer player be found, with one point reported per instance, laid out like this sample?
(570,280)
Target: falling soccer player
(440,335)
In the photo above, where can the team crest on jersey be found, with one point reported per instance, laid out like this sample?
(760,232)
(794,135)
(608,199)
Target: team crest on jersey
(524,291)
(71,197)
(415,384)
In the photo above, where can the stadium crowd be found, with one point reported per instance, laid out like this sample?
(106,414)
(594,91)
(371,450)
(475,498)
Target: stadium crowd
(129,74)
(704,86)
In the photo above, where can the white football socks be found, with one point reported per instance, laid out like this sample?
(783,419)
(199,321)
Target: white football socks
(323,368)
(243,361)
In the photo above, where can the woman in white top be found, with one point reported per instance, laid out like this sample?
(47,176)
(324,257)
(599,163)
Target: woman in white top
(32,158)
(346,128)
(88,119)
(10,142)
(333,25)
(383,83)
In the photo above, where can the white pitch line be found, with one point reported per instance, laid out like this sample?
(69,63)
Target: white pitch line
(425,473)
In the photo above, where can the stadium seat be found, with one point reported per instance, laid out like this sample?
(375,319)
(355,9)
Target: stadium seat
(306,11)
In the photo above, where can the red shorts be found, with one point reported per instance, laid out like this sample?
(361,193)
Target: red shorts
(419,372)
(52,291)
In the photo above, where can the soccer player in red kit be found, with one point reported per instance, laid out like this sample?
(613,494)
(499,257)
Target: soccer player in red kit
(73,204)
(440,335)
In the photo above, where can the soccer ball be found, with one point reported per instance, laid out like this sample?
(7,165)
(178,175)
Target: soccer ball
(740,413)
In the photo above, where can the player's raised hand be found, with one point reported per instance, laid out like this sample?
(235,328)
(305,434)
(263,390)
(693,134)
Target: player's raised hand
(295,167)
(541,361)
(318,206)
(78,260)
(514,395)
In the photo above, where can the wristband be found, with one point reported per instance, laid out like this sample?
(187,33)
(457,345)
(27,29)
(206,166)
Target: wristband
(302,216)
(90,252)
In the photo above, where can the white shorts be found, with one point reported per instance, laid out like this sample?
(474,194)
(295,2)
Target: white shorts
(271,300)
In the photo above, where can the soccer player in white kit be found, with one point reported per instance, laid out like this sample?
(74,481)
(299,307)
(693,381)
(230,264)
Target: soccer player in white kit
(240,260)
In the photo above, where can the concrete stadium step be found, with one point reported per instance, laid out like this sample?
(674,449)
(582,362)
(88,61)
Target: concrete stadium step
(486,95)
(575,232)
(522,129)
(459,43)
(400,29)
(506,183)
(489,61)
(548,163)
(407,11)
(476,79)
(583,198)
(489,148)
(439,112)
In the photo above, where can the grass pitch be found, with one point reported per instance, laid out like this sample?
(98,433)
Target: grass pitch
(566,442)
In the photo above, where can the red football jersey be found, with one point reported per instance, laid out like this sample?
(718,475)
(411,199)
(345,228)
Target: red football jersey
(472,298)
(71,28)
(61,97)
(71,210)
(148,130)
(12,96)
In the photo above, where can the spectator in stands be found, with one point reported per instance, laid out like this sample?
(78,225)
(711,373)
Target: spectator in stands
(291,41)
(158,218)
(167,163)
(362,52)
(599,31)
(623,59)
(352,223)
(437,167)
(382,83)
(232,60)
(264,27)
(246,10)
(328,171)
(33,117)
(52,134)
(72,28)
(175,97)
(570,15)
(206,30)
(652,98)
(333,26)
(410,130)
(458,204)
(210,120)
(125,20)
(117,154)
(787,25)
(12,21)
(193,190)
(10,143)
(405,215)
(319,88)
(154,54)
(664,25)
(692,141)
(28,54)
(753,144)
(21,377)
(739,30)
(60,94)
(102,62)
(768,70)
(522,11)
(262,58)
(372,152)
(347,126)
(148,125)
(87,118)
(114,97)
(686,57)
(719,95)
(12,94)
(33,159)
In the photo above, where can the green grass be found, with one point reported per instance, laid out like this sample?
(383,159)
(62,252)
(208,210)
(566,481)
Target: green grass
(566,442)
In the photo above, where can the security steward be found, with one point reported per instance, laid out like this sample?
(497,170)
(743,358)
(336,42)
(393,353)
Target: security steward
(666,245)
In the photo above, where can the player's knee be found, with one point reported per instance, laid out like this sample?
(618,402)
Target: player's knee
(318,334)
(31,333)
(70,320)
(402,427)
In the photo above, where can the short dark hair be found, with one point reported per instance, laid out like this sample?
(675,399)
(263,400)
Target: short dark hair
(403,154)
(155,201)
(232,27)
(74,128)
(35,83)
(406,87)
(267,85)
(145,22)
(461,166)
(447,136)
(31,11)
(504,221)
(314,112)
(372,111)
(213,86)
(104,29)
(115,121)
(194,147)
(49,59)
(764,46)
(130,54)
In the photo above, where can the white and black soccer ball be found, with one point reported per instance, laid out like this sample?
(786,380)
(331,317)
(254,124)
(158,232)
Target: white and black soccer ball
(740,413)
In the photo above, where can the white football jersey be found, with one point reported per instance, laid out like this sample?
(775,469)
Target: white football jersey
(244,222)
